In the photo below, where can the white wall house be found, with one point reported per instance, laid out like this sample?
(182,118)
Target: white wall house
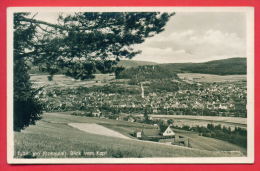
(168,132)
(139,134)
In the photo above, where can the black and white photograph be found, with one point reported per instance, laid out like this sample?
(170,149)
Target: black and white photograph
(130,85)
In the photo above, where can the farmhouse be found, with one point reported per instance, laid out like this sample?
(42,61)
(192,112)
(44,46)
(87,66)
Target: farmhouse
(154,134)
(131,119)
(148,134)
(168,132)
(168,136)
(155,125)
(96,113)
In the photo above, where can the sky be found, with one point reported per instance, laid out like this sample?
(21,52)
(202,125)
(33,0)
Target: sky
(192,37)
(197,37)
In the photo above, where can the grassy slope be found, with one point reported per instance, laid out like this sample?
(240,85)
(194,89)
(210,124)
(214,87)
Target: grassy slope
(52,134)
(211,144)
(196,141)
(209,78)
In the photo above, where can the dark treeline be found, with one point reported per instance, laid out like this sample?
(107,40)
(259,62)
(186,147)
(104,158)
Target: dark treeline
(147,72)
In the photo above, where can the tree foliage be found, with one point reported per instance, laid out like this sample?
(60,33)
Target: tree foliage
(79,45)
(94,41)
(27,108)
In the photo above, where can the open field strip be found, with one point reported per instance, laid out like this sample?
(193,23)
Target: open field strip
(234,120)
(68,82)
(97,129)
(210,77)
(53,134)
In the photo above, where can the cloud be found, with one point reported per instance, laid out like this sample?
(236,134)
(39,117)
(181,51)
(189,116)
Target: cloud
(192,46)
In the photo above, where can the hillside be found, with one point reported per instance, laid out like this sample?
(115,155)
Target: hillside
(133,63)
(53,137)
(122,63)
(147,72)
(230,66)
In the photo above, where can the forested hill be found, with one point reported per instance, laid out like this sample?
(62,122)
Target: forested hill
(146,72)
(133,63)
(229,66)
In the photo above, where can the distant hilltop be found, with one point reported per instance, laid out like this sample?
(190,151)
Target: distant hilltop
(133,63)
(230,66)
(146,69)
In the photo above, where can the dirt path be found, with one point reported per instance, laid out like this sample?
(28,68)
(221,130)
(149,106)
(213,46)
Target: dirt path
(97,129)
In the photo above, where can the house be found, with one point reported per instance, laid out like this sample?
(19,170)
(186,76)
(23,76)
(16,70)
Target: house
(148,134)
(222,106)
(168,132)
(155,110)
(139,134)
(156,125)
(130,119)
(168,136)
(96,113)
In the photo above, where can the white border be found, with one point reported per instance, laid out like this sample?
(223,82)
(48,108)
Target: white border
(202,160)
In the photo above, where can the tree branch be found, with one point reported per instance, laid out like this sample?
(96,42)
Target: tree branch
(51,32)
(27,54)
(44,23)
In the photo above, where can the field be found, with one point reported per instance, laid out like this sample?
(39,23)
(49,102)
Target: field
(204,120)
(53,137)
(196,141)
(233,120)
(209,78)
(93,128)
(67,82)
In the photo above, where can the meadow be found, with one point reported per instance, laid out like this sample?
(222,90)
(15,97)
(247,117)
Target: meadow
(210,78)
(52,137)
(62,81)
(235,120)
(192,120)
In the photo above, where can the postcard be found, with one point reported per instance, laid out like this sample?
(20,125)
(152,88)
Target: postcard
(130,85)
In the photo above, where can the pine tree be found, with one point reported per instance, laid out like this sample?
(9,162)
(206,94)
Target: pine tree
(86,42)
(27,108)
(78,46)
